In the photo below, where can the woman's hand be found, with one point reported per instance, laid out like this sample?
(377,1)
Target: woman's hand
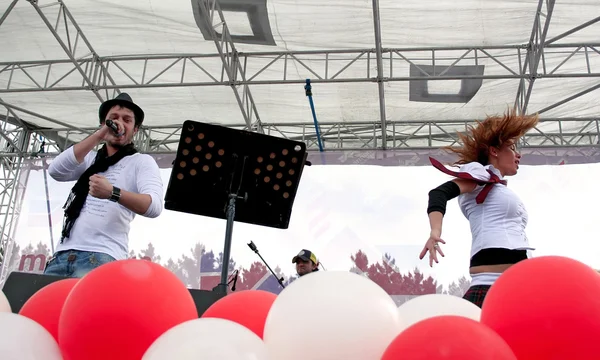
(432,246)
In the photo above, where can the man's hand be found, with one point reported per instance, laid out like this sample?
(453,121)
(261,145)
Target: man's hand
(106,133)
(100,187)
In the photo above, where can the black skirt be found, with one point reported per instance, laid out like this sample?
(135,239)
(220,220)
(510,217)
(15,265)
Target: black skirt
(476,294)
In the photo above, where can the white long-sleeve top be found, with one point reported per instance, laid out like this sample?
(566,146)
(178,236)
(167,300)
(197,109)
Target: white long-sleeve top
(500,221)
(103,226)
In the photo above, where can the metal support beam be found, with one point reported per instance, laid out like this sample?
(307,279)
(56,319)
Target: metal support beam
(6,127)
(363,136)
(353,66)
(535,52)
(231,64)
(69,46)
(572,31)
(5,14)
(12,108)
(572,97)
(51,141)
(11,193)
(380,80)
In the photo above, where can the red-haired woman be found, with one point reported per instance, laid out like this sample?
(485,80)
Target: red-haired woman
(496,214)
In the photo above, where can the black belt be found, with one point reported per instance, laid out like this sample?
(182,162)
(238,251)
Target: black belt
(498,256)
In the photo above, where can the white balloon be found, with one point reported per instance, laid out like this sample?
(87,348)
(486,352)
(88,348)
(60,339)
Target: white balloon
(24,339)
(331,315)
(4,304)
(427,306)
(207,339)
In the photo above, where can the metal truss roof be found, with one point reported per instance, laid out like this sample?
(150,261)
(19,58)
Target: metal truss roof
(415,96)
(388,77)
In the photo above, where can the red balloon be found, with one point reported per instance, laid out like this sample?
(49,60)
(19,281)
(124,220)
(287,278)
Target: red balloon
(45,306)
(248,308)
(119,309)
(450,338)
(546,308)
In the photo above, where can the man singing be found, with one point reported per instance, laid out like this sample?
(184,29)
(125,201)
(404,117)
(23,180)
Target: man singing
(113,185)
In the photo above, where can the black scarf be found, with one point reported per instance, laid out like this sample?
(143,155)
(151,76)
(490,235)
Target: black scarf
(81,189)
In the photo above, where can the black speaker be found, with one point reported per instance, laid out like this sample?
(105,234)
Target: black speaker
(205,298)
(19,287)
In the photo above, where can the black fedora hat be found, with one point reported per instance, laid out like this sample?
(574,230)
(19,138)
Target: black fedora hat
(123,99)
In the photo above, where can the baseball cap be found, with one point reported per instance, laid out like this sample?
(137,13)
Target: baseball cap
(305,255)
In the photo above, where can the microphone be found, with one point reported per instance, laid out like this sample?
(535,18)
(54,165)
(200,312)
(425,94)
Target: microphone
(111,124)
(252,246)
(234,280)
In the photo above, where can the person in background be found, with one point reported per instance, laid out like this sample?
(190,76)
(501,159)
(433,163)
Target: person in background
(496,215)
(306,262)
(112,186)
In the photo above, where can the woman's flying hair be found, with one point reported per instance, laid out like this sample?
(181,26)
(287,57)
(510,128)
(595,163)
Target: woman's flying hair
(494,131)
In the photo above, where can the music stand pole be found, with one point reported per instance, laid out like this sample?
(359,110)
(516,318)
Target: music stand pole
(222,287)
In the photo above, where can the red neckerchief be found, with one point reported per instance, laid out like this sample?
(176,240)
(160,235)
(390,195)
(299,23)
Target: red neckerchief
(494,179)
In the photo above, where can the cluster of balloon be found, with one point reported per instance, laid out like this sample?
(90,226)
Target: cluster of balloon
(231,328)
(546,308)
(23,338)
(439,326)
(119,309)
(247,308)
(542,308)
(328,315)
(115,312)
(331,315)
(448,337)
(45,306)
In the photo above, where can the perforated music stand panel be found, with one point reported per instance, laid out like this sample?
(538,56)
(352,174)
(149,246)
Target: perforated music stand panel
(210,164)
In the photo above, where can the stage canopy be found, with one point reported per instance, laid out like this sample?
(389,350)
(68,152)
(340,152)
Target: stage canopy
(385,74)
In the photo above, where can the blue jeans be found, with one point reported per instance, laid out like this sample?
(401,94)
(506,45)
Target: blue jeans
(75,263)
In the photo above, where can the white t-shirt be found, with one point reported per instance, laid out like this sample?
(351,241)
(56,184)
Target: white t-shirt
(103,226)
(500,221)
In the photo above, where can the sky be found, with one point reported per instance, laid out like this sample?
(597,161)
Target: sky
(340,209)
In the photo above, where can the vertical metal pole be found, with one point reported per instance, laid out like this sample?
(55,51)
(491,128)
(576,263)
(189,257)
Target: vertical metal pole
(48,206)
(535,50)
(308,92)
(227,249)
(538,50)
(12,203)
(378,51)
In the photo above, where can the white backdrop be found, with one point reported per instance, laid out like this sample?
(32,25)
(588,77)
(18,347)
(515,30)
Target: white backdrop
(340,210)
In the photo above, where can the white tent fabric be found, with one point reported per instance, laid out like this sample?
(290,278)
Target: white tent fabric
(420,32)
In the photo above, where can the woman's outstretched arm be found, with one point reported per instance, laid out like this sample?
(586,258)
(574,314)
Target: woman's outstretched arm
(436,209)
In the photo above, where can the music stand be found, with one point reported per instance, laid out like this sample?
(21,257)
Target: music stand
(216,166)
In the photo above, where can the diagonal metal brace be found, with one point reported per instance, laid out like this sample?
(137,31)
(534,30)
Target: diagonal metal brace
(64,46)
(231,64)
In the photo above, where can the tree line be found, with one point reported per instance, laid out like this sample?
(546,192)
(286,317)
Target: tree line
(201,269)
